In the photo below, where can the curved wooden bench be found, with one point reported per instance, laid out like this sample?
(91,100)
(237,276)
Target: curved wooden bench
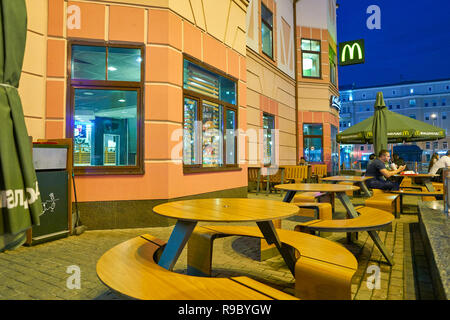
(131,270)
(369,219)
(385,201)
(324,269)
(322,210)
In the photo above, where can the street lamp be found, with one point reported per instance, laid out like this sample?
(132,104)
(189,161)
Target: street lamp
(433,116)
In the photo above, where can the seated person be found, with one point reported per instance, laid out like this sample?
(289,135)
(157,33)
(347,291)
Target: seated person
(378,171)
(303,162)
(443,162)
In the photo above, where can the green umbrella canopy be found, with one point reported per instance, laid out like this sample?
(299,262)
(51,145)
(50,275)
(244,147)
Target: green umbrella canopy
(20,202)
(400,128)
(379,125)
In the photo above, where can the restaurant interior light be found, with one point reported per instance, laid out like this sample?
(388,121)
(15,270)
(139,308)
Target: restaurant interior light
(307,64)
(112,68)
(121,100)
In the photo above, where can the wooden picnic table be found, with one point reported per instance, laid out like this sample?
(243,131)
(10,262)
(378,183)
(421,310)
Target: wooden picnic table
(421,179)
(340,191)
(415,193)
(355,179)
(189,212)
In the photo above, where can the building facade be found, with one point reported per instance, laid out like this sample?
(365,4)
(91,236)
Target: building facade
(175,99)
(425,101)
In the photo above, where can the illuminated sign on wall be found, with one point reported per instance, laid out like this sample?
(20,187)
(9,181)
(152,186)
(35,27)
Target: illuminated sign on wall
(335,102)
(351,52)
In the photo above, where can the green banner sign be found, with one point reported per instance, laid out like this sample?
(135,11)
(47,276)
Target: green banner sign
(351,52)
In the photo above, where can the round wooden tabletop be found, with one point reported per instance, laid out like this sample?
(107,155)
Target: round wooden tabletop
(347,178)
(227,210)
(316,187)
(418,175)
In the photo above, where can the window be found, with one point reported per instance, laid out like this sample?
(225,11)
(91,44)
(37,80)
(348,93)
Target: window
(427,116)
(362,148)
(266,31)
(444,115)
(312,142)
(369,147)
(426,104)
(434,103)
(435,145)
(427,145)
(210,119)
(398,106)
(311,59)
(364,95)
(393,92)
(269,139)
(429,89)
(443,102)
(332,56)
(444,145)
(412,102)
(390,107)
(105,116)
(413,116)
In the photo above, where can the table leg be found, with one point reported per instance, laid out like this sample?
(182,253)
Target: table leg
(270,234)
(259,181)
(177,241)
(351,212)
(376,239)
(429,185)
(289,196)
(401,203)
(364,188)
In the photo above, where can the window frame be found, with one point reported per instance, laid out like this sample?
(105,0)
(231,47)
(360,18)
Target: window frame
(195,168)
(313,136)
(319,53)
(273,155)
(333,64)
(73,84)
(271,30)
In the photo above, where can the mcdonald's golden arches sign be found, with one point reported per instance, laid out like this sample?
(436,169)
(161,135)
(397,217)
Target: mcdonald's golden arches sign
(351,52)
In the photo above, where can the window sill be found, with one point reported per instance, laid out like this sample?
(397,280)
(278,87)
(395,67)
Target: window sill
(101,171)
(187,170)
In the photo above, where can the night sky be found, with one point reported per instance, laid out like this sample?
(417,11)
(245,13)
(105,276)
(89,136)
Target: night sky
(413,43)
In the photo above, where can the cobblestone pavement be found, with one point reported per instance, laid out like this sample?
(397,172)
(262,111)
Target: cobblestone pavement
(41,271)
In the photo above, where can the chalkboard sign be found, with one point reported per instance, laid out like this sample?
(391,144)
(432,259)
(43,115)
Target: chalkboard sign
(53,186)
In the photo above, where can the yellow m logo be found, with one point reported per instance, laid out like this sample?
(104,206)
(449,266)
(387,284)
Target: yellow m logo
(351,51)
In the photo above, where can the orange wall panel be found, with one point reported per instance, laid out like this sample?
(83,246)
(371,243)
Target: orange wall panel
(56,58)
(192,40)
(158,141)
(54,129)
(92,24)
(152,185)
(126,24)
(55,99)
(242,94)
(164,65)
(214,53)
(164,27)
(55,18)
(232,63)
(242,69)
(163,102)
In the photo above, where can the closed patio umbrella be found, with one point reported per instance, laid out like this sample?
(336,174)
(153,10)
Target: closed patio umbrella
(379,125)
(20,201)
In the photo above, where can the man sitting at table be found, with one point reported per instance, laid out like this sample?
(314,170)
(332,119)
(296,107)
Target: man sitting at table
(380,174)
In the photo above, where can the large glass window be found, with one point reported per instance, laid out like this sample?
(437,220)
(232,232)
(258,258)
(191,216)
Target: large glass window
(311,58)
(210,119)
(105,91)
(313,142)
(333,70)
(268,139)
(266,31)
